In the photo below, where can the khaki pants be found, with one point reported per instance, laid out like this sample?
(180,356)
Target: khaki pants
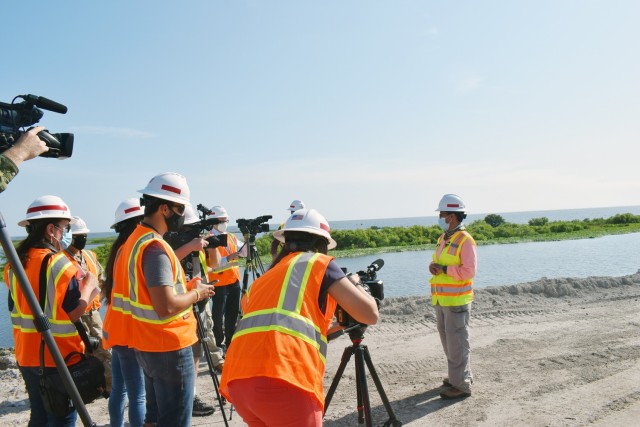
(453,326)
(215,351)
(93,324)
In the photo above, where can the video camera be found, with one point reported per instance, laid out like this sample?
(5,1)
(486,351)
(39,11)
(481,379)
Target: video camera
(254,226)
(371,284)
(17,115)
(188,232)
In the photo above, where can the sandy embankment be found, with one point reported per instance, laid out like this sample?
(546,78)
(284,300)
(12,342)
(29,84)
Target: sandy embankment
(562,352)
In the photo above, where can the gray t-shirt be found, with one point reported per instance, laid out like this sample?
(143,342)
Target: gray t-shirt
(156,266)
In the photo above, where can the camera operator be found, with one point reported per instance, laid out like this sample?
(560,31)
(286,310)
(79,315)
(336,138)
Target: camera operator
(280,343)
(28,146)
(198,245)
(226,301)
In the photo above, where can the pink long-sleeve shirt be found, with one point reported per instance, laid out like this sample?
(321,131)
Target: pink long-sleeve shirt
(468,261)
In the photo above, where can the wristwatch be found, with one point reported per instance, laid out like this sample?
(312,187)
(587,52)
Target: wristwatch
(444,269)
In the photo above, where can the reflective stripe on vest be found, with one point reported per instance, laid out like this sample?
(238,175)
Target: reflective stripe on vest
(145,312)
(58,264)
(286,318)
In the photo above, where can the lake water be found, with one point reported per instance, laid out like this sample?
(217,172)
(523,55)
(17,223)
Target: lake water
(405,273)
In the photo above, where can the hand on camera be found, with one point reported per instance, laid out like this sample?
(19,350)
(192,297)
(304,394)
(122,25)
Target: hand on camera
(28,146)
(197,244)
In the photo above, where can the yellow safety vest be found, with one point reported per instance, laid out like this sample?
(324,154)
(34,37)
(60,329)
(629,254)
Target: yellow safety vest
(445,290)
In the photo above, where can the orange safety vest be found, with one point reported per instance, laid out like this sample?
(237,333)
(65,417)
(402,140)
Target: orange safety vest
(26,338)
(150,332)
(283,333)
(230,273)
(445,290)
(117,318)
(91,259)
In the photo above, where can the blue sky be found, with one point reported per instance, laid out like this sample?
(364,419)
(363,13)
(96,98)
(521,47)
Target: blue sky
(363,109)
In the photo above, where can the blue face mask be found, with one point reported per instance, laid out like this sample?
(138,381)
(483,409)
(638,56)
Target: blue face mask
(442,222)
(66,239)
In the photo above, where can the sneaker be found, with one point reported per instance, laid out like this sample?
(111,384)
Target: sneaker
(454,393)
(201,409)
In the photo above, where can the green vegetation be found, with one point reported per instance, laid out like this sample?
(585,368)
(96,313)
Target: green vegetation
(493,229)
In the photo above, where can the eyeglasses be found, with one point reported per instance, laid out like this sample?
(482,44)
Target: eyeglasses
(179,209)
(63,229)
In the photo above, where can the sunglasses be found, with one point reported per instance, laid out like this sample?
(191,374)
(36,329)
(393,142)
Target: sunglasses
(63,229)
(179,209)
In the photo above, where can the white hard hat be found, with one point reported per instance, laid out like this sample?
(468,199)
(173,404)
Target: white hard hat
(168,186)
(79,226)
(190,216)
(308,221)
(218,212)
(296,205)
(130,208)
(451,203)
(47,207)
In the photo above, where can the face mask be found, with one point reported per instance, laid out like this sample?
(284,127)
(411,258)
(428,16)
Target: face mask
(79,241)
(66,239)
(442,222)
(174,222)
(222,227)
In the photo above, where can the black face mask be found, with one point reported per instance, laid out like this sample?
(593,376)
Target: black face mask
(174,222)
(79,241)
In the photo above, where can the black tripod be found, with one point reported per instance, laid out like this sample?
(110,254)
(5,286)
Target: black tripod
(202,336)
(41,323)
(253,265)
(356,333)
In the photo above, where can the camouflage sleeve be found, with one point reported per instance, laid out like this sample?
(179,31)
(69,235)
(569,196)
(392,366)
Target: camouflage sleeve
(8,170)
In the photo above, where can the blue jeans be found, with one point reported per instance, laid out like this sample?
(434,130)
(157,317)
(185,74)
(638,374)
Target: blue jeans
(127,380)
(169,379)
(39,417)
(225,303)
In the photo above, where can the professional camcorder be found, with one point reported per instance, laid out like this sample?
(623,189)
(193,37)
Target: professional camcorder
(371,284)
(254,226)
(19,115)
(189,232)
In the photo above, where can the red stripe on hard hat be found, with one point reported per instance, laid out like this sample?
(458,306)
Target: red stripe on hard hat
(453,205)
(133,209)
(325,227)
(47,208)
(170,188)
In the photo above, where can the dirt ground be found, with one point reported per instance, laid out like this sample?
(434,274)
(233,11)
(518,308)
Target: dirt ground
(561,352)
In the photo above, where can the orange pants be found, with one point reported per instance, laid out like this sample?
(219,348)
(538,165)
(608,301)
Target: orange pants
(264,401)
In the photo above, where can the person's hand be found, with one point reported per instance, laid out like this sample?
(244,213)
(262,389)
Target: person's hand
(435,269)
(197,244)
(205,291)
(232,257)
(28,146)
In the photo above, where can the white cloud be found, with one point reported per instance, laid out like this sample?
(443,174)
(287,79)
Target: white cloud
(469,84)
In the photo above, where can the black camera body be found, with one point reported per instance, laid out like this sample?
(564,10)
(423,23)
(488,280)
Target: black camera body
(18,115)
(372,285)
(254,226)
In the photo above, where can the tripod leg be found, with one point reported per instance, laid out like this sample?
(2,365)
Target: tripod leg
(346,355)
(202,334)
(385,401)
(364,405)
